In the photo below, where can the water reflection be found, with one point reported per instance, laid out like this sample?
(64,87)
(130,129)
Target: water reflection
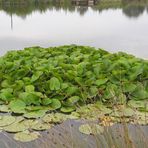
(109,25)
(23,8)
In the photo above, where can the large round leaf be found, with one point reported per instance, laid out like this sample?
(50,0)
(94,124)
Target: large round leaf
(91,129)
(41,126)
(6,120)
(35,114)
(54,118)
(17,106)
(26,136)
(15,127)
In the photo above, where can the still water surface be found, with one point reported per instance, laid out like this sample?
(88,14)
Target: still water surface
(114,29)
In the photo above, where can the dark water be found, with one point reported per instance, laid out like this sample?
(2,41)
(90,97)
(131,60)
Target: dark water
(114,26)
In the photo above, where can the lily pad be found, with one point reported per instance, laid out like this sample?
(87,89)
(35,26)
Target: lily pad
(29,123)
(6,120)
(26,136)
(35,114)
(54,118)
(41,126)
(91,129)
(17,106)
(16,127)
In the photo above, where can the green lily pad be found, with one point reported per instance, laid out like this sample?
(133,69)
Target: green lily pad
(17,106)
(29,123)
(54,118)
(6,120)
(26,136)
(91,129)
(15,127)
(41,126)
(74,115)
(35,114)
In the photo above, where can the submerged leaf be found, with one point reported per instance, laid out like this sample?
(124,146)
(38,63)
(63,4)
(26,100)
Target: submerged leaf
(26,136)
(91,129)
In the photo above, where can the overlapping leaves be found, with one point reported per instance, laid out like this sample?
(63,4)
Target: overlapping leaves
(62,78)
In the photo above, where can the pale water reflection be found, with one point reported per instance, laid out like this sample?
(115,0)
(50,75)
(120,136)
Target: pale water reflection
(112,28)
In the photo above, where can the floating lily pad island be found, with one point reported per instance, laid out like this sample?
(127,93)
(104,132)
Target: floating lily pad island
(41,87)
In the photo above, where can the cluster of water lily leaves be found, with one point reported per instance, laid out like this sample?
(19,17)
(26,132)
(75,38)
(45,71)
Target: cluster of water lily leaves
(45,86)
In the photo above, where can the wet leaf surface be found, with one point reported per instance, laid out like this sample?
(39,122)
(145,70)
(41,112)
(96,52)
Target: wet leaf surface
(26,136)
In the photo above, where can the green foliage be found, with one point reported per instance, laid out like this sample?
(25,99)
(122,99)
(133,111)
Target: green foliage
(17,106)
(62,78)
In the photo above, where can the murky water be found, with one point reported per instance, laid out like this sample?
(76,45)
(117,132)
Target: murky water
(114,26)
(67,135)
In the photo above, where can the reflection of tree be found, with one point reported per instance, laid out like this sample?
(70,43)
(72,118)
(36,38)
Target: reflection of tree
(133,11)
(82,10)
(22,8)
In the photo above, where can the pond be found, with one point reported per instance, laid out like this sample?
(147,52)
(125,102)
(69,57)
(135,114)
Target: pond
(114,26)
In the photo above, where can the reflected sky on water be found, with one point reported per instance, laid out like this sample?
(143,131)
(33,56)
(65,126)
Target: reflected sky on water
(114,29)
